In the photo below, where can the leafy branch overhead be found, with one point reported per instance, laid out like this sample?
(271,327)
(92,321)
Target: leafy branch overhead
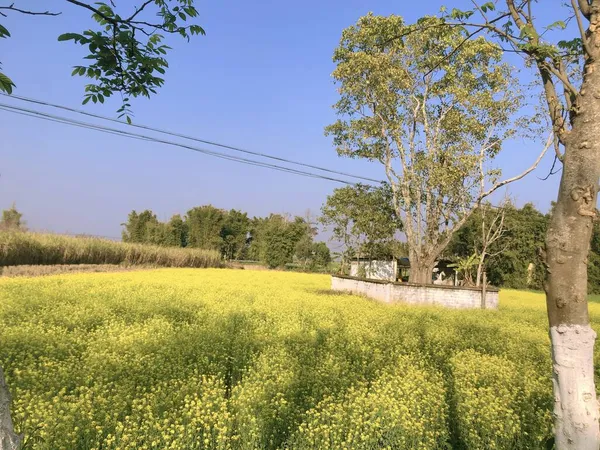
(126,52)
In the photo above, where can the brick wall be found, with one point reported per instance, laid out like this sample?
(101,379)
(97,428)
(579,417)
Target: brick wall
(448,296)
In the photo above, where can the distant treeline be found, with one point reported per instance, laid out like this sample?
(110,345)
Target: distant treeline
(519,246)
(275,240)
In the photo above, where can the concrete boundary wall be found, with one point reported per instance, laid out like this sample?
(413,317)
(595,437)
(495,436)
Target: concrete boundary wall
(416,294)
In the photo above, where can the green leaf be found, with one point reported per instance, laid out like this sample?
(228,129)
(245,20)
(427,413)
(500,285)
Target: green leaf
(489,6)
(101,98)
(69,36)
(128,120)
(558,24)
(4,32)
(528,31)
(87,99)
(6,84)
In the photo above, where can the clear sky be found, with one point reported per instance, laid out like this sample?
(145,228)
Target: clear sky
(259,79)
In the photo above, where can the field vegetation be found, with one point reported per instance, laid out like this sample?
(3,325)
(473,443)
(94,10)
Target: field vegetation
(240,359)
(25,248)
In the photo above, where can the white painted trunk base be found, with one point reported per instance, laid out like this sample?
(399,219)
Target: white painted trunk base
(575,406)
(8,439)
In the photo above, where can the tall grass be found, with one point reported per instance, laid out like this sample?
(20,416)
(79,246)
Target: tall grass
(19,248)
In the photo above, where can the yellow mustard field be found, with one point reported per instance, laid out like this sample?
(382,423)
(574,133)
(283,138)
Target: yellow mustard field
(238,359)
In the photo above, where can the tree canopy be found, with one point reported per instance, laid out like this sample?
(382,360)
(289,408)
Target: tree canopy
(434,109)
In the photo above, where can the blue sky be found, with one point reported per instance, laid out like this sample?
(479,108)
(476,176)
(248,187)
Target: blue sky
(259,79)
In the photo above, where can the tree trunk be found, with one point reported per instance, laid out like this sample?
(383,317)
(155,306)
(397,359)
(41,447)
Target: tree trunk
(9,440)
(480,270)
(420,272)
(567,246)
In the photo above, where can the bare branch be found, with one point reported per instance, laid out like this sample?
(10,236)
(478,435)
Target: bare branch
(139,10)
(515,13)
(562,77)
(94,10)
(11,7)
(135,24)
(584,39)
(518,177)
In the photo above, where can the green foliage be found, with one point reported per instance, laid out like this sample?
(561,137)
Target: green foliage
(278,245)
(204,227)
(321,255)
(12,219)
(464,267)
(224,359)
(126,52)
(18,248)
(6,84)
(432,107)
(274,240)
(524,236)
(364,219)
(234,234)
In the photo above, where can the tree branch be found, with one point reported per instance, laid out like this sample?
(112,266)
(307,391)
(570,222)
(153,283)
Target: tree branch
(514,13)
(94,10)
(11,7)
(584,40)
(518,177)
(139,10)
(135,24)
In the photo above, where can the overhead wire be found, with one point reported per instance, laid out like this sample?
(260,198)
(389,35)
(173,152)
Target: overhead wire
(192,138)
(101,128)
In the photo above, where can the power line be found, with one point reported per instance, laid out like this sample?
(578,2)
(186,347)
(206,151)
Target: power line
(192,138)
(100,128)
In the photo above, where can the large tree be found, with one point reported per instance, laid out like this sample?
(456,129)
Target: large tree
(234,234)
(205,224)
(125,56)
(564,52)
(434,113)
(362,219)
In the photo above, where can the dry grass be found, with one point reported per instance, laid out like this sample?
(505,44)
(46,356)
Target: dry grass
(20,248)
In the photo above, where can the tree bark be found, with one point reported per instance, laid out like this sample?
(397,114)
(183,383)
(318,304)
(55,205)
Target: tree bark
(567,245)
(420,272)
(480,269)
(9,440)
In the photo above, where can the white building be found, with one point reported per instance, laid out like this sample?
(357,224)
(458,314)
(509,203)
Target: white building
(374,269)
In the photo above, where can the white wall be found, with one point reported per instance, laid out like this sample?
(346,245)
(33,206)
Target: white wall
(376,270)
(448,296)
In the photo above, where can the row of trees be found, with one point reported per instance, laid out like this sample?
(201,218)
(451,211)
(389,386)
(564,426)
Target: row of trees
(503,241)
(275,240)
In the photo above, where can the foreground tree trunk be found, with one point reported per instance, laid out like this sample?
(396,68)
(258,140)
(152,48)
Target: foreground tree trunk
(567,247)
(9,440)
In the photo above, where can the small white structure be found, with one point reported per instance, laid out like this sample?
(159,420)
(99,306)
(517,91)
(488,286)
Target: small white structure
(374,269)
